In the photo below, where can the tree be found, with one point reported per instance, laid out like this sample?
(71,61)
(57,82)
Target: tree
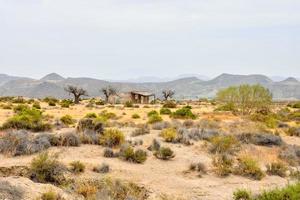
(108,92)
(77,92)
(246,98)
(168,94)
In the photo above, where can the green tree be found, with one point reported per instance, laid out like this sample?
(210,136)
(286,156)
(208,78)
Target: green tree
(246,98)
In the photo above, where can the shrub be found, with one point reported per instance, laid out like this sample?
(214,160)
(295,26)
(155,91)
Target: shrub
(249,167)
(51,103)
(242,195)
(36,105)
(69,139)
(20,108)
(224,144)
(293,131)
(198,167)
(28,119)
(164,153)
(127,153)
(226,107)
(107,115)
(141,131)
(183,113)
(51,195)
(160,125)
(154,118)
(108,153)
(77,167)
(290,154)
(169,134)
(103,168)
(152,112)
(169,104)
(277,168)
(89,124)
(128,104)
(67,120)
(91,115)
(135,116)
(188,123)
(112,138)
(165,111)
(270,120)
(290,192)
(155,146)
(50,99)
(296,105)
(262,139)
(66,103)
(45,168)
(223,164)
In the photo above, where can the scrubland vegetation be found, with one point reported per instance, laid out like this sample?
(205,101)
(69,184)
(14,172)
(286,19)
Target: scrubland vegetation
(239,146)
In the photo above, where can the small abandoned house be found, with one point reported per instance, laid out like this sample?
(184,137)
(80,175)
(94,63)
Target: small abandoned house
(141,97)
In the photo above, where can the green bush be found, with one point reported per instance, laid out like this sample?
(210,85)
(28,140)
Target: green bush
(127,153)
(293,131)
(51,103)
(67,120)
(249,167)
(242,195)
(20,108)
(170,104)
(135,116)
(128,104)
(270,120)
(154,118)
(277,168)
(226,107)
(152,112)
(296,105)
(77,167)
(46,169)
(91,115)
(169,134)
(183,113)
(112,138)
(66,103)
(165,111)
(28,119)
(224,144)
(51,99)
(50,195)
(36,105)
(164,153)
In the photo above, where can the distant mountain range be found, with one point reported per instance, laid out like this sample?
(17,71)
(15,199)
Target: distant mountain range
(186,87)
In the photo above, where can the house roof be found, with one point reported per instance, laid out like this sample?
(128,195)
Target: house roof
(143,93)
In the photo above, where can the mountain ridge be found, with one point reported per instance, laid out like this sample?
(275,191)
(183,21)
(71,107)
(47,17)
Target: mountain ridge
(186,88)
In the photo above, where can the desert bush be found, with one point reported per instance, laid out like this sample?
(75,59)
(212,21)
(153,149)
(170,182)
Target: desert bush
(45,168)
(152,112)
(91,115)
(277,168)
(290,192)
(107,115)
(135,116)
(155,146)
(18,143)
(224,144)
(19,100)
(188,123)
(293,131)
(154,119)
(67,120)
(51,195)
(262,139)
(141,131)
(51,103)
(88,124)
(294,116)
(70,139)
(103,168)
(112,138)
(295,105)
(28,119)
(198,167)
(7,106)
(164,153)
(165,111)
(169,134)
(20,108)
(77,167)
(290,154)
(223,164)
(242,194)
(183,113)
(161,125)
(246,98)
(36,105)
(249,167)
(129,154)
(50,99)
(170,104)
(66,103)
(270,120)
(128,104)
(108,153)
(228,107)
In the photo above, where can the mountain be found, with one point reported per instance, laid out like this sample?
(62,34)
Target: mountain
(185,88)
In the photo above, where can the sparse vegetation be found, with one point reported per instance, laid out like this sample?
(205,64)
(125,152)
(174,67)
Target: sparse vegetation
(164,153)
(249,167)
(77,167)
(169,134)
(183,113)
(67,120)
(112,138)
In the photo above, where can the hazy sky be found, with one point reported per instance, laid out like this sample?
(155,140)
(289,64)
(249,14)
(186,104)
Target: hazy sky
(120,39)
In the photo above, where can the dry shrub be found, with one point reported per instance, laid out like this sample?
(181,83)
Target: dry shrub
(249,167)
(277,168)
(112,138)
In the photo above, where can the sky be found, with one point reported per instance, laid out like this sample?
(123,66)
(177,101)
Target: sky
(123,39)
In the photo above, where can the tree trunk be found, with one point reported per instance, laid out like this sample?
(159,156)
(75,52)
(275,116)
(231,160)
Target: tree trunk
(76,99)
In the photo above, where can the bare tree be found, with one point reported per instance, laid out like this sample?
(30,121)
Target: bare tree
(108,92)
(168,94)
(77,92)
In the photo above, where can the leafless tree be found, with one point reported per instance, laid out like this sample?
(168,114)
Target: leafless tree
(77,92)
(168,94)
(108,92)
